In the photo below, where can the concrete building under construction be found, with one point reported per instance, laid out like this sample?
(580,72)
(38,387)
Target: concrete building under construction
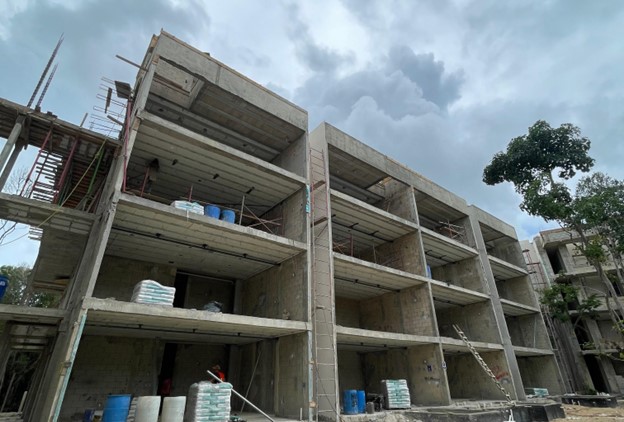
(586,348)
(341,267)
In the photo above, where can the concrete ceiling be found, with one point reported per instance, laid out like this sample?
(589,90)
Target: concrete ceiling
(44,215)
(433,212)
(365,224)
(214,173)
(149,231)
(356,172)
(503,270)
(348,338)
(454,295)
(452,345)
(441,250)
(111,317)
(358,279)
(517,309)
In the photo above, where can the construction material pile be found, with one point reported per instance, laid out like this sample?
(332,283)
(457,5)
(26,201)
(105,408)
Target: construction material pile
(208,402)
(153,293)
(396,394)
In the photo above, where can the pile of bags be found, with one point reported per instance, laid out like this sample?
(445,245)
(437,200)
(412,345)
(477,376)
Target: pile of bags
(396,394)
(153,293)
(208,402)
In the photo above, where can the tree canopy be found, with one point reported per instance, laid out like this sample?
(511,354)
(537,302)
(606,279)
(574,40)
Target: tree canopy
(17,292)
(530,161)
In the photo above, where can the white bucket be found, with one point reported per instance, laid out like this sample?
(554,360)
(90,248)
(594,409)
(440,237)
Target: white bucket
(147,409)
(173,409)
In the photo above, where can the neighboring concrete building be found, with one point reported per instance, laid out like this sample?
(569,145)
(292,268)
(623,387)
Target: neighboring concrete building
(342,267)
(585,353)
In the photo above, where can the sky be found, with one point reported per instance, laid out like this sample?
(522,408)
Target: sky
(439,85)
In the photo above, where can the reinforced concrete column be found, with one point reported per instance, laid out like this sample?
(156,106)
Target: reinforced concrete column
(11,163)
(499,315)
(325,365)
(11,140)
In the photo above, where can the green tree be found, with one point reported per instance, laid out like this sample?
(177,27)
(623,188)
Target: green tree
(599,205)
(18,293)
(539,165)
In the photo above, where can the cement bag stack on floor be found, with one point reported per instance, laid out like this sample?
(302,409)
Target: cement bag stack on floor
(153,293)
(396,394)
(208,402)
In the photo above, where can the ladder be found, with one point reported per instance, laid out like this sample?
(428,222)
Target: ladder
(323,324)
(481,362)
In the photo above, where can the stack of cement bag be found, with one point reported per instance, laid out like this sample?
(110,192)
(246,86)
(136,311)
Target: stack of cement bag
(153,293)
(396,394)
(208,402)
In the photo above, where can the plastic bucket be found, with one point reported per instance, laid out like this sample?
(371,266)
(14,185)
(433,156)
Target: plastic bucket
(212,211)
(4,282)
(228,215)
(173,409)
(349,398)
(361,401)
(147,409)
(117,407)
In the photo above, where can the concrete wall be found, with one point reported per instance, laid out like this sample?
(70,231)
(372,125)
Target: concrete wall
(467,380)
(348,312)
(350,371)
(292,392)
(540,372)
(528,331)
(262,386)
(421,366)
(279,292)
(509,252)
(201,290)
(463,273)
(476,321)
(518,289)
(291,215)
(110,365)
(399,201)
(382,313)
(118,276)
(417,311)
(191,363)
(427,377)
(401,254)
(295,157)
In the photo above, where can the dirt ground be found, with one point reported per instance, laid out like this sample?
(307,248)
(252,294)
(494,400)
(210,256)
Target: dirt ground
(592,414)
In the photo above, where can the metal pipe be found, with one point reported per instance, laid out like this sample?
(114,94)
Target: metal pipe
(240,396)
(240,217)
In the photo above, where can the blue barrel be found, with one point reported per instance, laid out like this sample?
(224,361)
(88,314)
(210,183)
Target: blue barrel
(4,282)
(117,407)
(349,398)
(361,401)
(228,215)
(212,211)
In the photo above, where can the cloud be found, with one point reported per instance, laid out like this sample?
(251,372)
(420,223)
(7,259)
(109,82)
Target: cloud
(317,58)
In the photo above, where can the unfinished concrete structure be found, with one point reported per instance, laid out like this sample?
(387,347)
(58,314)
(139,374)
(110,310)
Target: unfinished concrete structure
(583,347)
(341,269)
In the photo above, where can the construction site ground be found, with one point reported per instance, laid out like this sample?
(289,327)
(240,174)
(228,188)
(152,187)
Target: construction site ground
(593,414)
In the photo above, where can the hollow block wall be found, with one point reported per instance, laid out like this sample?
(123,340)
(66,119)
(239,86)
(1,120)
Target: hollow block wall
(279,292)
(293,391)
(464,273)
(118,276)
(528,331)
(540,372)
(517,289)
(191,363)
(401,254)
(467,380)
(261,356)
(476,321)
(110,365)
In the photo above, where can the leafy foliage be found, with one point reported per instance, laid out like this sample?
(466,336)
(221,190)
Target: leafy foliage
(17,292)
(530,161)
(561,297)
